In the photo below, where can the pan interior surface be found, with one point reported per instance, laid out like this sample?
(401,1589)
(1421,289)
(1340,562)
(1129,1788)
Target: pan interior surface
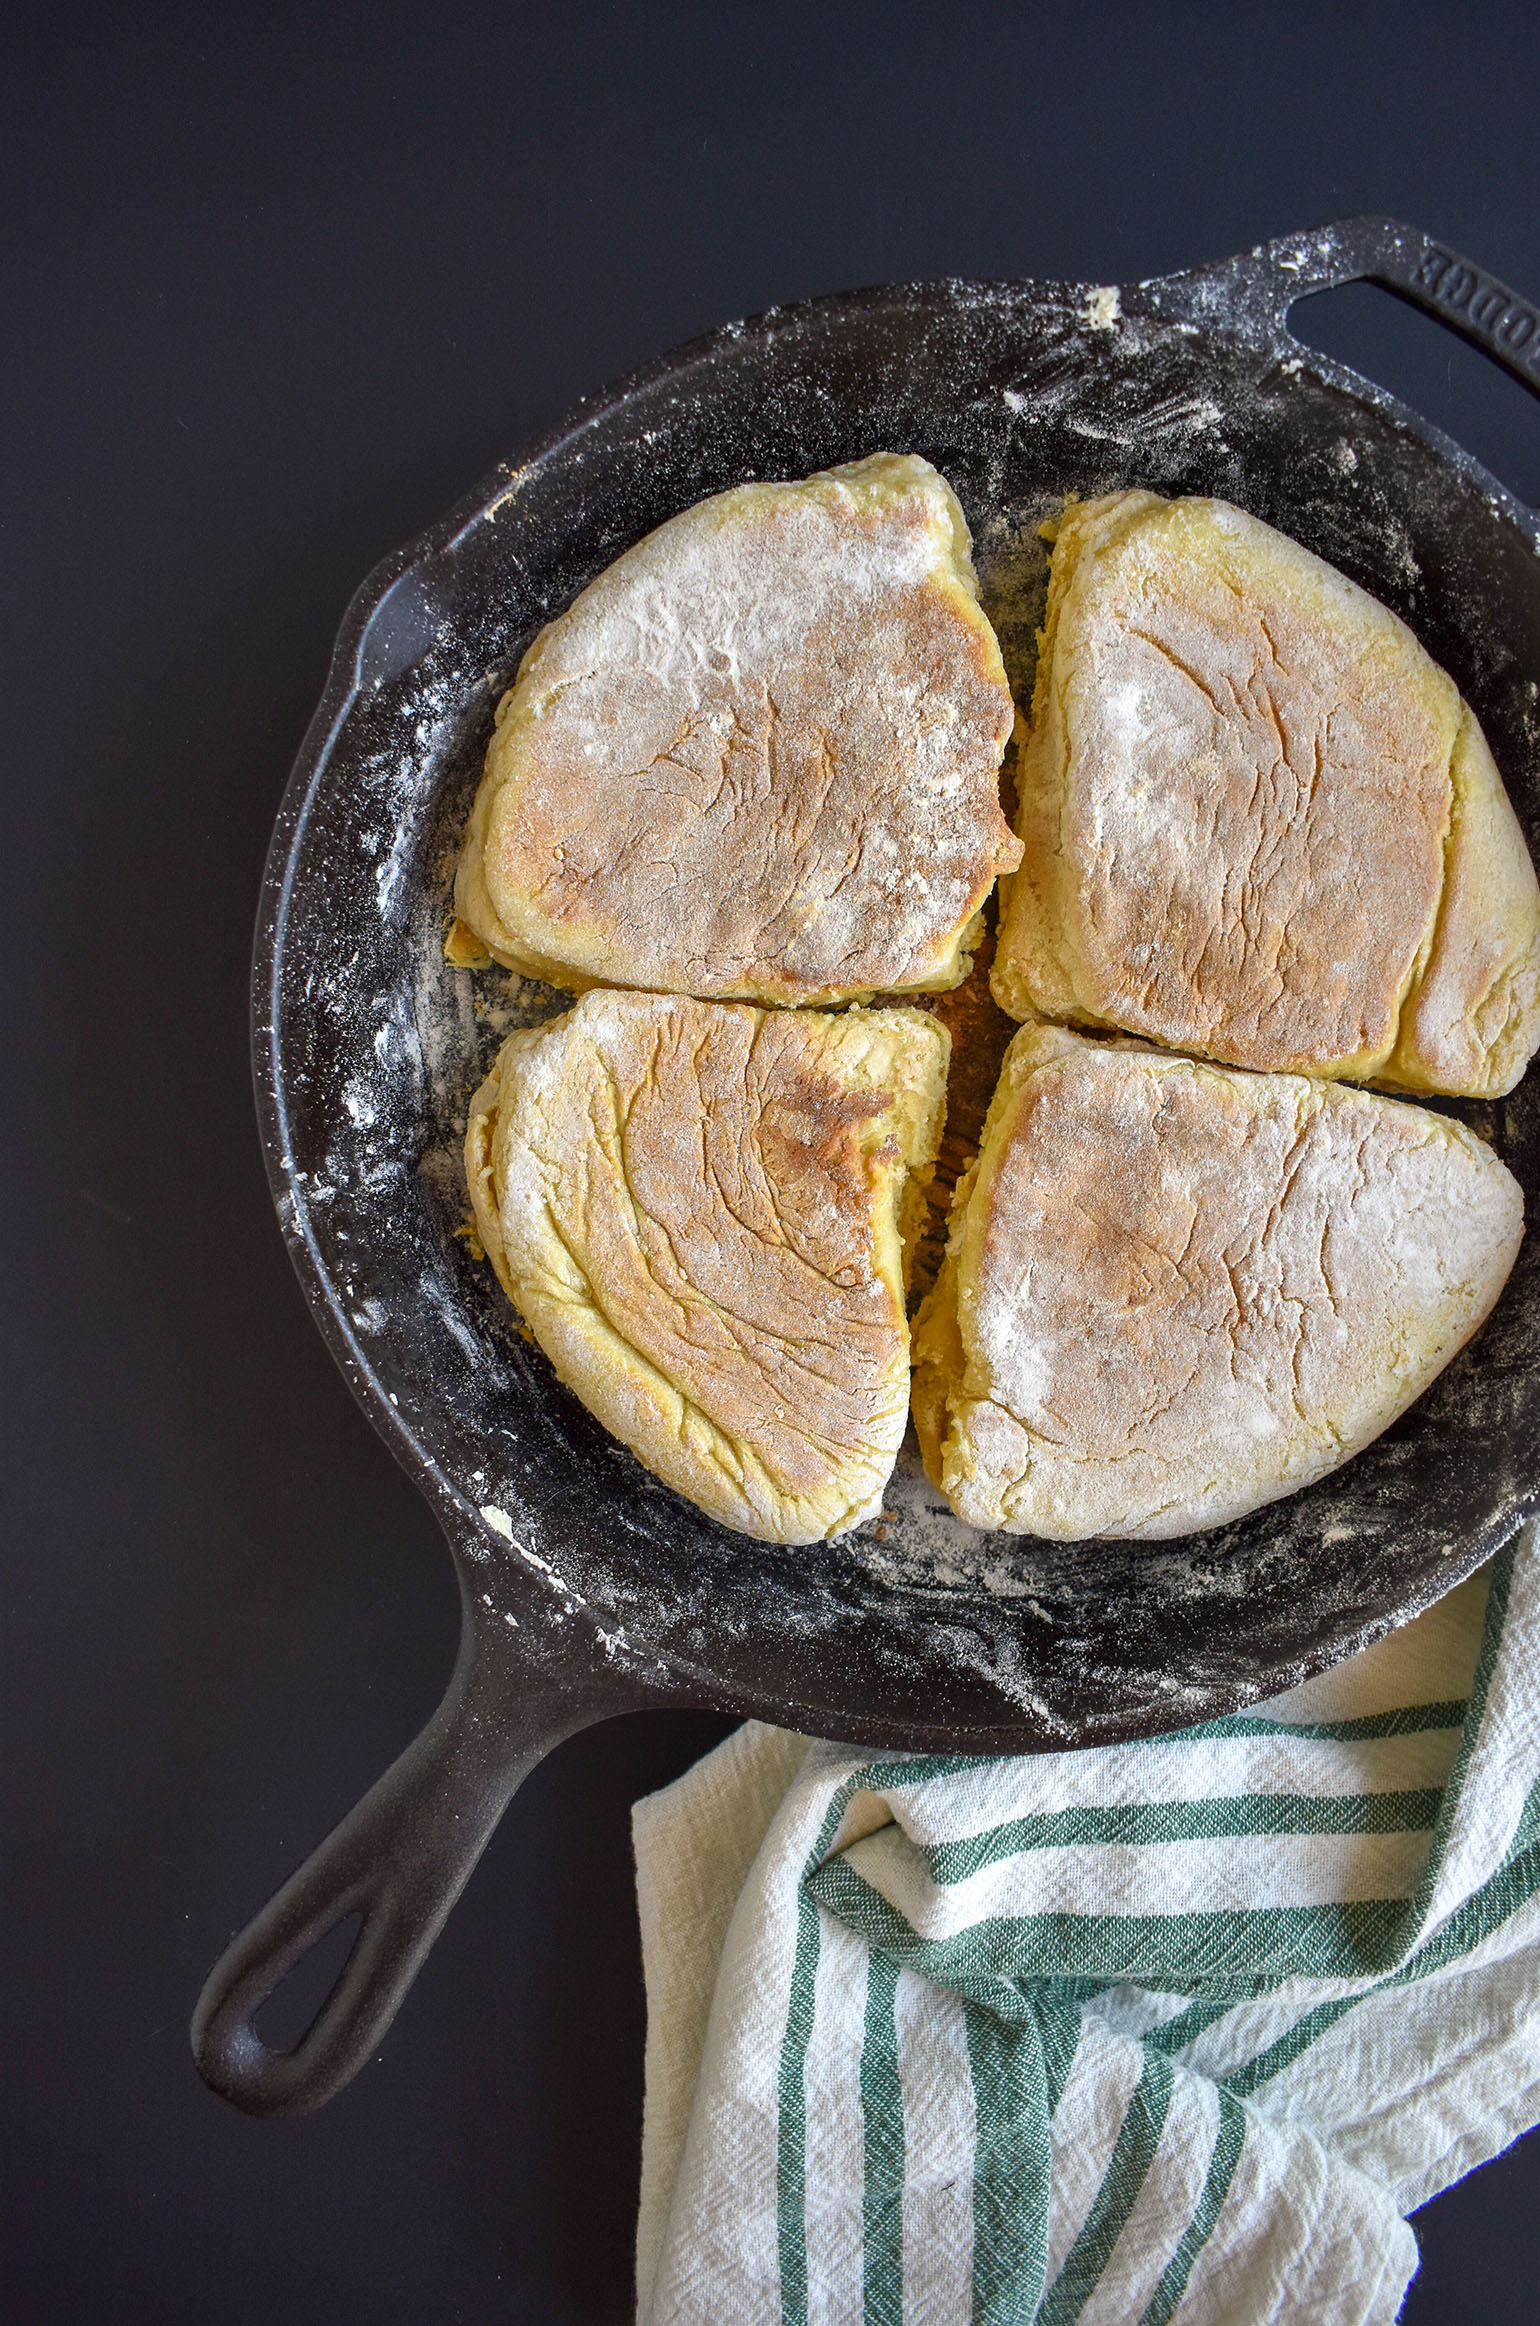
(914,1631)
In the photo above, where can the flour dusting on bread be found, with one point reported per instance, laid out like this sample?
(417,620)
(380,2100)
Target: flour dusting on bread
(1175,1291)
(758,757)
(1259,824)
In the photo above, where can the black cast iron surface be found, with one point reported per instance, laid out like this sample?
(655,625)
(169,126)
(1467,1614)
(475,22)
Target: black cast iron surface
(588,1587)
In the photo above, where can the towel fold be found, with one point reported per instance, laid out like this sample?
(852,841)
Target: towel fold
(1178,2030)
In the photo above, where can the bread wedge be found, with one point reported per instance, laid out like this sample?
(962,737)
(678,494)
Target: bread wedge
(702,1212)
(1259,824)
(1174,1291)
(757,758)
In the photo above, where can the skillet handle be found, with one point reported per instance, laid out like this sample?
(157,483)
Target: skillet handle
(401,1858)
(1257,289)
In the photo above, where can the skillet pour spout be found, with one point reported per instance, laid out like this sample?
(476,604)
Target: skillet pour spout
(588,1588)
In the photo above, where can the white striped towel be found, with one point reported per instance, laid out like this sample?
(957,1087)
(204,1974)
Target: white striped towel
(1174,2030)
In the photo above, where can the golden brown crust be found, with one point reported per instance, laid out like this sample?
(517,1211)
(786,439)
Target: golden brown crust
(1174,1292)
(757,757)
(698,1209)
(1469,1024)
(1237,807)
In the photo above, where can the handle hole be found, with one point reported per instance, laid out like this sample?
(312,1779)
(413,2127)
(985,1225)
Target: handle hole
(296,2003)
(1441,376)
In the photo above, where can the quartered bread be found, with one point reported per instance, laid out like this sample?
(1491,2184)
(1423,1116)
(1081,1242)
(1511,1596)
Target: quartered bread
(1174,1292)
(1259,822)
(701,1212)
(757,758)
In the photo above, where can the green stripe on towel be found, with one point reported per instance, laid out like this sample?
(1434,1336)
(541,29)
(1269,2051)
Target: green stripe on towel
(1012,2170)
(882,2110)
(1144,2120)
(1238,1816)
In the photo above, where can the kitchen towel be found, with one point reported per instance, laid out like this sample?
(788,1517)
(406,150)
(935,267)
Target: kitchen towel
(1178,2030)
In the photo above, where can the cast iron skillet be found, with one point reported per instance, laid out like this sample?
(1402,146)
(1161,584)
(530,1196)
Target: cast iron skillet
(588,1588)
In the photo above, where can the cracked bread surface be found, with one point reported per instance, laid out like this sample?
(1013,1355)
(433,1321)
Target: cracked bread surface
(702,1211)
(1174,1292)
(1259,824)
(757,758)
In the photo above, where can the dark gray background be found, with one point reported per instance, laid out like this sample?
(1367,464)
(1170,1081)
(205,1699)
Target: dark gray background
(279,286)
